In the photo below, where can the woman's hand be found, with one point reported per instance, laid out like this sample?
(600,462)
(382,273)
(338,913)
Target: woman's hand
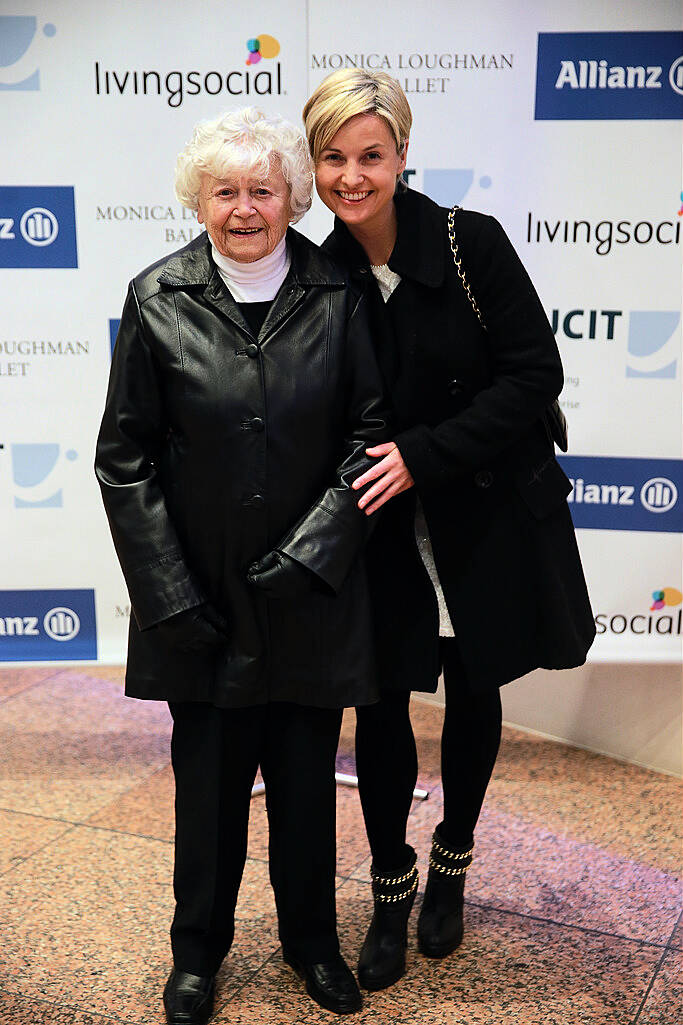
(391,475)
(199,629)
(280,576)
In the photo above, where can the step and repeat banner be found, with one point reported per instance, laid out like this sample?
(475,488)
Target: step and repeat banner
(561,120)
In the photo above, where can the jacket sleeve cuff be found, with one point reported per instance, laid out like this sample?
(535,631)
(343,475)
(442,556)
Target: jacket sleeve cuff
(326,544)
(417,452)
(161,590)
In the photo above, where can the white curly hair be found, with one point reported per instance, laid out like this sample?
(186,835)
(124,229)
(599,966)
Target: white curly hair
(246,141)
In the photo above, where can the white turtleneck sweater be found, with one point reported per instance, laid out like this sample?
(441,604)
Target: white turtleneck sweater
(255,282)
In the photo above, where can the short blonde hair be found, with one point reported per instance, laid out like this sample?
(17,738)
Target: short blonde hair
(353,91)
(245,141)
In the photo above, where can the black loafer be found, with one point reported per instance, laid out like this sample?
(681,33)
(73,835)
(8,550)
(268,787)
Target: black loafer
(188,999)
(331,984)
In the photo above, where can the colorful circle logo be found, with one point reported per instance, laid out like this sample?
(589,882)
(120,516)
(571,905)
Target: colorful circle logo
(262,46)
(667,596)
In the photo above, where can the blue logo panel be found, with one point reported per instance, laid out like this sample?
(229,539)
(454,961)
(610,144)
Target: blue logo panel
(113,331)
(47,626)
(625,494)
(607,76)
(37,226)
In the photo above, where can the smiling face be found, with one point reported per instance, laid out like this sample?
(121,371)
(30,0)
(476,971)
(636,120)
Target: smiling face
(245,216)
(356,174)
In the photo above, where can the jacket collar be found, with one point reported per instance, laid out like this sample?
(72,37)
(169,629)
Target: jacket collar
(421,243)
(194,265)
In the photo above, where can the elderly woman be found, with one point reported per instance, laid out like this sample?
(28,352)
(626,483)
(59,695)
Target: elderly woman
(242,397)
(472,368)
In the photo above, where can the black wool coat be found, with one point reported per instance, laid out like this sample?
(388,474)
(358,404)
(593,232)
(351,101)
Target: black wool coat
(216,447)
(468,405)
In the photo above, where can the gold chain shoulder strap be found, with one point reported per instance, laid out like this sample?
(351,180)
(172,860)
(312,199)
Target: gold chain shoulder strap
(458,264)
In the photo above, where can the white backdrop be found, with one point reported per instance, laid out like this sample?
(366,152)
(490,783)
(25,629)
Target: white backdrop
(95,102)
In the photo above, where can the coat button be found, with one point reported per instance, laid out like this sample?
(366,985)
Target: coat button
(256,423)
(256,500)
(454,387)
(483,479)
(252,350)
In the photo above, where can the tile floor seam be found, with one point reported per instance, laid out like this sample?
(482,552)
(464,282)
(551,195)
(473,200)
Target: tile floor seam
(649,986)
(277,953)
(19,861)
(569,925)
(58,1005)
(30,687)
(669,944)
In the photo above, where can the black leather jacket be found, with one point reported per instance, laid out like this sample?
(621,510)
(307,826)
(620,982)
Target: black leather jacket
(216,447)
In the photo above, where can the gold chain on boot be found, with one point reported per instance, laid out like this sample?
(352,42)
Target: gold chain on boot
(391,889)
(443,859)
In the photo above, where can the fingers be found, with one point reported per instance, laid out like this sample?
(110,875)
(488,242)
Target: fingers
(390,492)
(381,450)
(385,481)
(373,473)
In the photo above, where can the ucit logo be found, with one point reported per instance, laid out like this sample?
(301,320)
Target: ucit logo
(47,625)
(447,186)
(262,46)
(653,344)
(37,226)
(37,474)
(651,339)
(20,50)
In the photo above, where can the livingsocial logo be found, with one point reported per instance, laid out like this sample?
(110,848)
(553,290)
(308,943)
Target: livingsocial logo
(37,484)
(18,69)
(262,46)
(665,596)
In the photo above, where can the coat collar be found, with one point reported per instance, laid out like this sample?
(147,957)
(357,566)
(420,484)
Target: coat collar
(194,265)
(421,243)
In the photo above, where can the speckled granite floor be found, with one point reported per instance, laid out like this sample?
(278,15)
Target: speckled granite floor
(573,902)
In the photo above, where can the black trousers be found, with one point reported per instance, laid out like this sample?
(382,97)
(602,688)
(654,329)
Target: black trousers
(215,755)
(386,762)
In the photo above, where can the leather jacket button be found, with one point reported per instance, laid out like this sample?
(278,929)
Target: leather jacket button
(483,478)
(256,423)
(454,387)
(256,500)
(252,350)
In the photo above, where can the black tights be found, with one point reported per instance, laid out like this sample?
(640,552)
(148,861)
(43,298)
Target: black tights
(386,762)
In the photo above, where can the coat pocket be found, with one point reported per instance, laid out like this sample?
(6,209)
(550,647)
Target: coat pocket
(543,486)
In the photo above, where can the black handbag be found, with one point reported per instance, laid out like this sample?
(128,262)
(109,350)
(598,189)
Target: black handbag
(553,418)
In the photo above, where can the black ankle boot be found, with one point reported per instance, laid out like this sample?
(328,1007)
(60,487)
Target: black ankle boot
(440,925)
(382,958)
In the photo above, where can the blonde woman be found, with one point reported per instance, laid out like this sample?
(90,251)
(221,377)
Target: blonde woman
(469,481)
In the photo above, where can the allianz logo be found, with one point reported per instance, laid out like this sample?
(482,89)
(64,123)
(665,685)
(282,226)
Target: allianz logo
(38,226)
(60,624)
(657,495)
(598,74)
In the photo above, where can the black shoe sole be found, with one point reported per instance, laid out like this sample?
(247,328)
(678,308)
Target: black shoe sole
(437,952)
(319,997)
(382,981)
